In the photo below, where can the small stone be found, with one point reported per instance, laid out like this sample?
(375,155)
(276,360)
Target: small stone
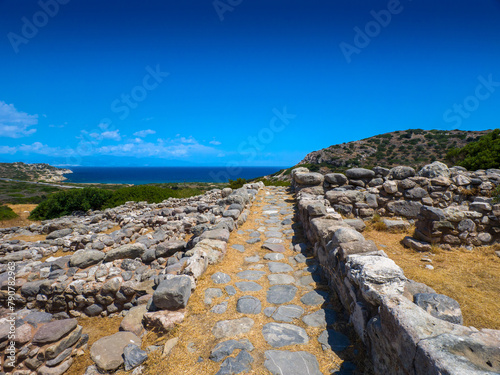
(236,365)
(211,293)
(107,352)
(280,279)
(248,286)
(429,267)
(169,345)
(248,305)
(230,290)
(221,278)
(280,362)
(173,294)
(230,328)
(277,267)
(274,247)
(287,313)
(314,298)
(300,258)
(282,334)
(250,275)
(252,259)
(252,240)
(240,248)
(279,294)
(320,318)
(268,311)
(226,348)
(133,356)
(220,308)
(274,256)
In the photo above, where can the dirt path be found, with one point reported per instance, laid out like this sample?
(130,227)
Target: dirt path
(261,311)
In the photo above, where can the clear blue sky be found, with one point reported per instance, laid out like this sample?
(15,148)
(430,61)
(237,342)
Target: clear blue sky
(258,82)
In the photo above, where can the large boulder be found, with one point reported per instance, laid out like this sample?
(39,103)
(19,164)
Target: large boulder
(166,249)
(59,233)
(129,251)
(53,331)
(86,258)
(338,179)
(359,173)
(401,172)
(107,352)
(436,169)
(311,178)
(173,294)
(408,209)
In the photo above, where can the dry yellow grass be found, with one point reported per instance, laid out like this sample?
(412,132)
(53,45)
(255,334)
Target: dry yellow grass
(470,277)
(96,328)
(111,230)
(23,211)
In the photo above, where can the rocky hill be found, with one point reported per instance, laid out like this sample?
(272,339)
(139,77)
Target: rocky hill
(413,147)
(32,172)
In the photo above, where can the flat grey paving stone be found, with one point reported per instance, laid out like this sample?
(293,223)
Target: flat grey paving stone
(270,212)
(248,305)
(274,247)
(300,258)
(252,240)
(212,293)
(220,308)
(241,232)
(279,294)
(279,278)
(248,286)
(226,348)
(240,248)
(283,334)
(287,313)
(268,311)
(254,234)
(320,318)
(250,275)
(280,362)
(286,222)
(314,298)
(236,365)
(333,340)
(306,280)
(292,261)
(272,221)
(231,328)
(230,290)
(252,259)
(277,267)
(273,234)
(288,231)
(256,266)
(221,278)
(273,241)
(273,256)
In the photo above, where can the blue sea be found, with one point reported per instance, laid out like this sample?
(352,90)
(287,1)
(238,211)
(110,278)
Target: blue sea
(149,175)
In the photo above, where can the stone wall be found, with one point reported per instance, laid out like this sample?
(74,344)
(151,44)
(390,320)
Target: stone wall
(129,271)
(433,197)
(407,327)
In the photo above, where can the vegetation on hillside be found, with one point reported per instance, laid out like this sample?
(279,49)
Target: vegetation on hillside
(6,213)
(66,202)
(31,172)
(481,154)
(413,147)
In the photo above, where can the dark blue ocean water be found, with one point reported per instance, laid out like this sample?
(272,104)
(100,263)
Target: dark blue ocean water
(148,175)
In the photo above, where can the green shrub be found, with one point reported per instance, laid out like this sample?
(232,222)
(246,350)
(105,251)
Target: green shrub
(236,184)
(481,154)
(6,213)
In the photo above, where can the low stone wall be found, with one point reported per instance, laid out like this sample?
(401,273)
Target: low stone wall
(407,327)
(39,343)
(129,274)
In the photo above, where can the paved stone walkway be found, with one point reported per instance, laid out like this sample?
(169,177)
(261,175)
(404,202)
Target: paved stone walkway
(263,309)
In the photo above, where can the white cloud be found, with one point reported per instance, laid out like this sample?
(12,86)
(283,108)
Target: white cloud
(144,133)
(7,150)
(15,124)
(113,135)
(215,143)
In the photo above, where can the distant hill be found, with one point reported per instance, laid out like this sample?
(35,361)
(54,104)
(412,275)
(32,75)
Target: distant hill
(32,172)
(413,147)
